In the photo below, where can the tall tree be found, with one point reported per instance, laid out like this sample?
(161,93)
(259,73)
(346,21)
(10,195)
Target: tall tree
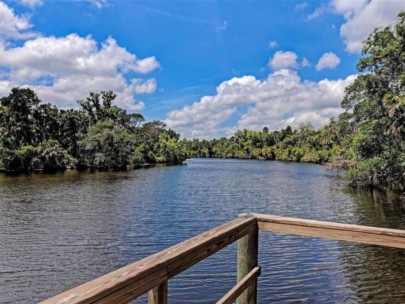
(375,102)
(18,127)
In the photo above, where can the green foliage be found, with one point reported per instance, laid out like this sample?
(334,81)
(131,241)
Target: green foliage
(302,145)
(368,138)
(169,150)
(107,146)
(367,172)
(37,136)
(375,103)
(54,157)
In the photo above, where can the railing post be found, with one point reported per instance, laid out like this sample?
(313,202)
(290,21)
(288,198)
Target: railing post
(247,260)
(158,295)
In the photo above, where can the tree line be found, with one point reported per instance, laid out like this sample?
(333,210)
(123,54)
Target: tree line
(38,136)
(366,140)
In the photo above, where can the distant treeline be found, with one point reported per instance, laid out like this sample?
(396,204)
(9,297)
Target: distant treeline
(304,144)
(37,136)
(367,139)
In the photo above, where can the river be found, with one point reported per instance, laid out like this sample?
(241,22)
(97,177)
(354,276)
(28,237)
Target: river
(61,230)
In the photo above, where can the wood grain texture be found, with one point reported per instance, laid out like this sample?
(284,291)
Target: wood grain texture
(153,272)
(240,287)
(129,282)
(247,261)
(158,295)
(329,230)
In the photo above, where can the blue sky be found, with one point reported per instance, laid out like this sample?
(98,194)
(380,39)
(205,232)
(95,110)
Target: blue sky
(206,68)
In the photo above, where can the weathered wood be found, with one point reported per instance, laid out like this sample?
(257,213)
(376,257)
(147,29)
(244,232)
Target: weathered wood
(152,273)
(247,261)
(329,230)
(158,295)
(129,282)
(134,290)
(240,287)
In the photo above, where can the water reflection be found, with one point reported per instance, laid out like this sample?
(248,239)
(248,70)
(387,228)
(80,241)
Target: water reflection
(64,229)
(375,273)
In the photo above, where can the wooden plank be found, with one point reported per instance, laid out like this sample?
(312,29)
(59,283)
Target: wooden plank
(240,287)
(193,256)
(131,281)
(135,289)
(329,230)
(158,295)
(247,260)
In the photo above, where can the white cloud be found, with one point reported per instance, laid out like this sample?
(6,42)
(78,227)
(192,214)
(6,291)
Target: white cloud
(280,100)
(301,6)
(30,3)
(348,8)
(272,44)
(284,60)
(146,65)
(98,3)
(327,61)
(363,16)
(65,91)
(305,63)
(319,11)
(11,25)
(142,86)
(64,69)
(54,56)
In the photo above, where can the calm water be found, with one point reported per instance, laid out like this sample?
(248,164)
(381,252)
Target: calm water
(58,231)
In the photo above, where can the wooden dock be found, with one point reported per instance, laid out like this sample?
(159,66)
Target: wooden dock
(152,273)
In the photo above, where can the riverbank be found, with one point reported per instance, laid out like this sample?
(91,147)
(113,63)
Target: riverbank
(129,168)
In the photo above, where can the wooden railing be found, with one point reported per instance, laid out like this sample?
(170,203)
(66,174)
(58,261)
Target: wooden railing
(152,273)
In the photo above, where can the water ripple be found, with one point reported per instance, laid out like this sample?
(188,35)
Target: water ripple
(61,230)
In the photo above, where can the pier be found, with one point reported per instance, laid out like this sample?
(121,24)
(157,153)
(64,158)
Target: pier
(151,274)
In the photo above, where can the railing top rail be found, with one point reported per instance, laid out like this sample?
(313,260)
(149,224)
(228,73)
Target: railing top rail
(131,281)
(330,230)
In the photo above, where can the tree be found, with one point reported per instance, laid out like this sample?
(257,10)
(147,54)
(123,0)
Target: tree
(375,102)
(169,150)
(17,121)
(107,146)
(38,136)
